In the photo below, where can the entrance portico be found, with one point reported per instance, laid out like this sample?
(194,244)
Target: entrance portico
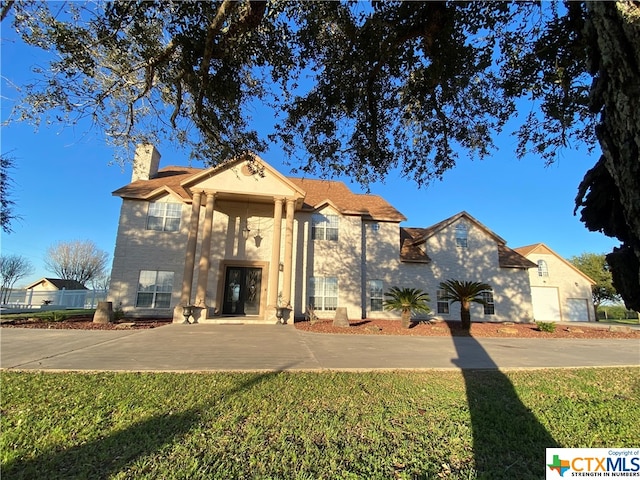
(243,268)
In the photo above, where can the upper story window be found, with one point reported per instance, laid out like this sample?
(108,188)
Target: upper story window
(154,289)
(489,305)
(324,227)
(375,227)
(376,295)
(164,217)
(543,270)
(461,235)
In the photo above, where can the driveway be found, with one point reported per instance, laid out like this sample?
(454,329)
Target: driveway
(178,347)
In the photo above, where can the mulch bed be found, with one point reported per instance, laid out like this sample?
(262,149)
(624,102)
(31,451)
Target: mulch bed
(362,327)
(86,323)
(479,329)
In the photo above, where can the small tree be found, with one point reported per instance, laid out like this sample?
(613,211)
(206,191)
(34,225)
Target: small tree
(408,301)
(7,213)
(595,266)
(465,293)
(78,260)
(12,269)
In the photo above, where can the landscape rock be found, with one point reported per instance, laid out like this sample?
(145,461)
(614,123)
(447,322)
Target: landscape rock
(341,319)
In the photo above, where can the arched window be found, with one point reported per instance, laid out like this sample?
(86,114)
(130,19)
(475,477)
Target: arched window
(543,271)
(461,235)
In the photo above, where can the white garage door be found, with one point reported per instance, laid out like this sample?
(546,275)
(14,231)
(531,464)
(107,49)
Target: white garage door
(546,307)
(577,310)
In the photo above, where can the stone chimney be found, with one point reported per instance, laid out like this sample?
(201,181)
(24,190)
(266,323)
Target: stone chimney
(145,162)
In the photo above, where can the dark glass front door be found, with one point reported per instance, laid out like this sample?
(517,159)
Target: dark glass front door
(242,291)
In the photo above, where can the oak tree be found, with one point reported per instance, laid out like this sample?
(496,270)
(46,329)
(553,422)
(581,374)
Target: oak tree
(356,88)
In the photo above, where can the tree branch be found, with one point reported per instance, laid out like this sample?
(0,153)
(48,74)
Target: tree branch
(5,9)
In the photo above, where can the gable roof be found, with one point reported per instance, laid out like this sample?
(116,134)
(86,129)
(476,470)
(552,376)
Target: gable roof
(412,238)
(542,249)
(59,283)
(339,196)
(433,229)
(176,180)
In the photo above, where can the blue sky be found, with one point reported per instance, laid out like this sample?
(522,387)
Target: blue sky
(64,177)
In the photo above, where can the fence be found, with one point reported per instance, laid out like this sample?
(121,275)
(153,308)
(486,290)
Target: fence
(28,299)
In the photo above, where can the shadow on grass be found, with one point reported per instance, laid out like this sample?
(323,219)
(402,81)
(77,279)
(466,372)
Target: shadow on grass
(104,457)
(508,440)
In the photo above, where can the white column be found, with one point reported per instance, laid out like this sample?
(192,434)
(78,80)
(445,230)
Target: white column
(190,254)
(205,253)
(288,254)
(274,270)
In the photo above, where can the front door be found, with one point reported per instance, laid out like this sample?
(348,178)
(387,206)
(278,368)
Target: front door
(242,291)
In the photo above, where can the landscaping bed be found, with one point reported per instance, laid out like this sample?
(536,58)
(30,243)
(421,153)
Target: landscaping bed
(478,329)
(85,323)
(365,327)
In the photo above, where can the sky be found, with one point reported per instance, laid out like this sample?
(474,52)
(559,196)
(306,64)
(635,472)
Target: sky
(64,176)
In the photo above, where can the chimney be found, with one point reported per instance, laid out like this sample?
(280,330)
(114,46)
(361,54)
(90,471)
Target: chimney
(145,162)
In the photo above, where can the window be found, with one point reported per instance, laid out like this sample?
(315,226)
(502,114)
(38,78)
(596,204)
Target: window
(324,227)
(543,271)
(489,307)
(375,295)
(442,304)
(461,235)
(164,217)
(323,293)
(375,227)
(154,289)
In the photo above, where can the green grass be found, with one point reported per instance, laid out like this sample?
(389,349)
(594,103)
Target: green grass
(309,425)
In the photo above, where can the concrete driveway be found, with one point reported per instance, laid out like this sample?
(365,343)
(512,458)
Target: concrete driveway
(179,348)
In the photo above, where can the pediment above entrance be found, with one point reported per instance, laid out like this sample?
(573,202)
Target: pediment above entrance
(248,177)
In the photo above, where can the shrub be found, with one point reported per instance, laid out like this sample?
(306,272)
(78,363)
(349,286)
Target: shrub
(549,327)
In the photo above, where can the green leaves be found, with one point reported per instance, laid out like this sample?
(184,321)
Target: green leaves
(464,291)
(406,300)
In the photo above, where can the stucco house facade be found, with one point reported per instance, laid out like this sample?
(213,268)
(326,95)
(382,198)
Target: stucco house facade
(559,291)
(240,239)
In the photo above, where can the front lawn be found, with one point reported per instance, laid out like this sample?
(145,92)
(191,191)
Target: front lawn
(458,425)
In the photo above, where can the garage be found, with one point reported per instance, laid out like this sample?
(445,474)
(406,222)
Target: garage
(577,310)
(546,304)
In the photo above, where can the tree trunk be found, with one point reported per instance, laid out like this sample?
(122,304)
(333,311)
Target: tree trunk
(465,315)
(614,32)
(406,318)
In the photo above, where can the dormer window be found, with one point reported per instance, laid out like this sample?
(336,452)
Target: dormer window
(461,236)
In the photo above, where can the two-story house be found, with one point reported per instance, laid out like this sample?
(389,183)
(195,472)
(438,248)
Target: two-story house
(240,239)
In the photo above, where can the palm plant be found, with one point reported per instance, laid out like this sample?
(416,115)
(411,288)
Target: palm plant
(465,293)
(408,301)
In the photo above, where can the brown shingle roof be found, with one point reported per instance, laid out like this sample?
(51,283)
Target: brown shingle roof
(410,251)
(318,192)
(168,177)
(509,258)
